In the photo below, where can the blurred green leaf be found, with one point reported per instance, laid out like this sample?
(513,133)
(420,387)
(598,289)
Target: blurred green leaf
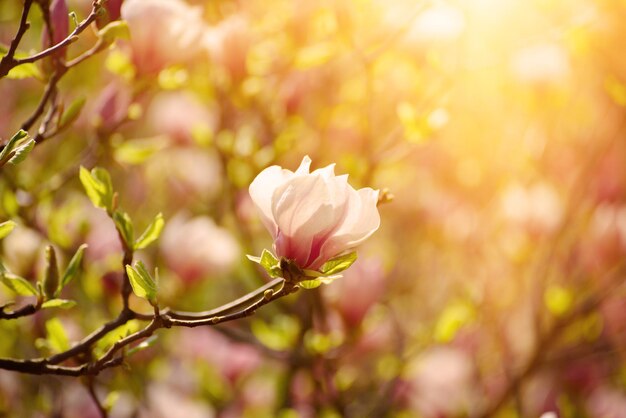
(6,228)
(117,29)
(125,227)
(51,277)
(58,303)
(310,284)
(22,151)
(451,320)
(280,334)
(72,267)
(120,63)
(148,342)
(72,112)
(314,55)
(18,284)
(8,148)
(151,234)
(98,187)
(27,70)
(173,78)
(320,343)
(57,338)
(112,337)
(136,151)
(143,284)
(558,299)
(338,264)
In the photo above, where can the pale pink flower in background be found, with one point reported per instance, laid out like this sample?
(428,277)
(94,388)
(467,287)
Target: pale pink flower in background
(442,382)
(21,250)
(166,401)
(187,173)
(227,43)
(163,32)
(196,247)
(546,63)
(313,216)
(232,360)
(60,23)
(359,289)
(177,114)
(111,106)
(606,402)
(102,239)
(538,207)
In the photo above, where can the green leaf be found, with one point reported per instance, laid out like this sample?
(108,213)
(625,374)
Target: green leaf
(151,233)
(148,342)
(281,334)
(72,112)
(117,29)
(6,151)
(57,338)
(51,277)
(6,228)
(310,284)
(58,303)
(136,151)
(18,284)
(72,267)
(98,187)
(22,151)
(338,264)
(142,283)
(125,227)
(269,262)
(27,70)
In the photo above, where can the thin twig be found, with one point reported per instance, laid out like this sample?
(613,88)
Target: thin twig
(8,61)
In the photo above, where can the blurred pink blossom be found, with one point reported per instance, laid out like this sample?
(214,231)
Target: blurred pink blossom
(111,106)
(178,113)
(227,44)
(545,63)
(313,216)
(186,173)
(354,294)
(195,247)
(163,32)
(538,207)
(21,249)
(232,360)
(59,20)
(167,402)
(606,402)
(443,383)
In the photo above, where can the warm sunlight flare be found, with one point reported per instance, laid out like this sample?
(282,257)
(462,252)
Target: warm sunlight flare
(312,209)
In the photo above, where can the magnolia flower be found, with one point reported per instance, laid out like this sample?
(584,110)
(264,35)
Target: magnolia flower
(313,216)
(163,32)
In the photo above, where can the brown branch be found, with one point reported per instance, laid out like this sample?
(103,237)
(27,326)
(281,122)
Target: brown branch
(48,92)
(94,397)
(545,342)
(159,320)
(8,61)
(84,345)
(18,313)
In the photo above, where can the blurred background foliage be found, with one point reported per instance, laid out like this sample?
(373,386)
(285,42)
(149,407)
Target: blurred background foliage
(493,287)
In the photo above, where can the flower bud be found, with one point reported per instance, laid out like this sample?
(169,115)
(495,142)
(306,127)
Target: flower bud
(59,22)
(313,216)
